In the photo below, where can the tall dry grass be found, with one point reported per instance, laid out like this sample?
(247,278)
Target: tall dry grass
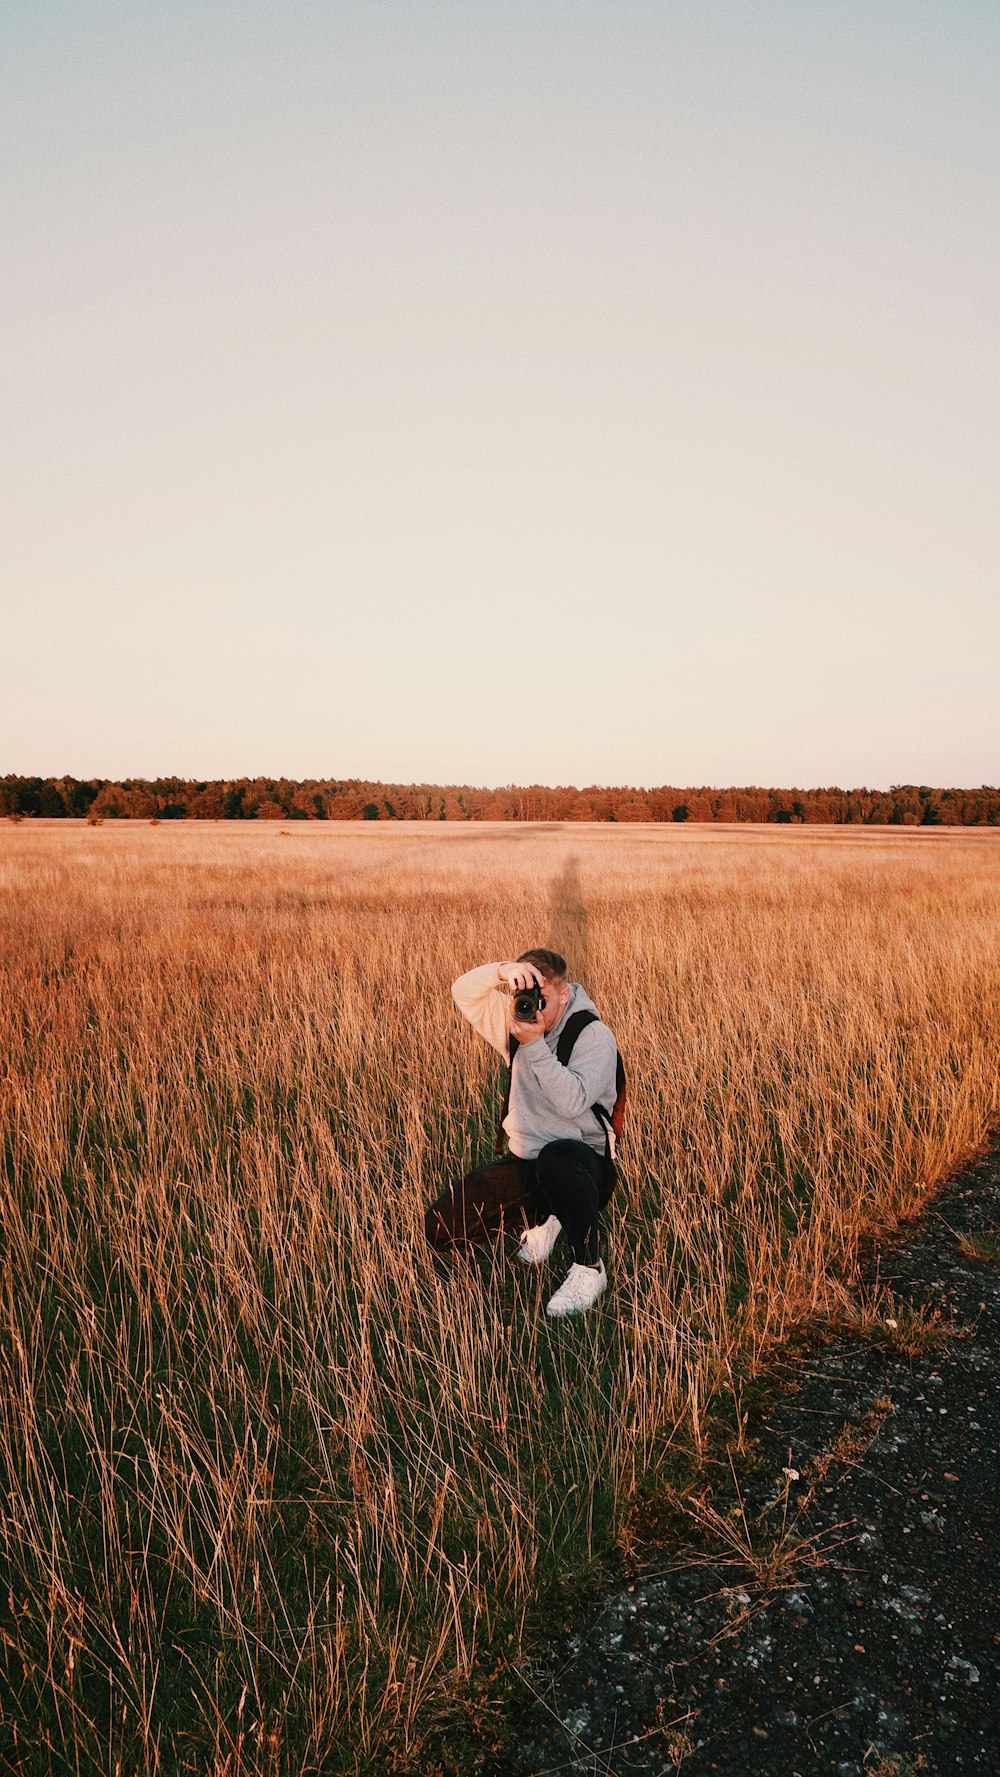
(273,1476)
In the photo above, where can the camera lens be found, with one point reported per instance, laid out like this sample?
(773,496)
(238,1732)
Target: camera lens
(526,1004)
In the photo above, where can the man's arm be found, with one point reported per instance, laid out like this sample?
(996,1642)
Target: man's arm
(589,1077)
(479,999)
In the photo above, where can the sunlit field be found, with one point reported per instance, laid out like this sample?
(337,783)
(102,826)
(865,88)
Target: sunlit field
(277,1483)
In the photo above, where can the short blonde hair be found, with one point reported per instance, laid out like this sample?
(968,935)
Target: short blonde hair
(548,963)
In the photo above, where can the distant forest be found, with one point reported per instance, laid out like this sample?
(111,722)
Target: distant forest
(350,799)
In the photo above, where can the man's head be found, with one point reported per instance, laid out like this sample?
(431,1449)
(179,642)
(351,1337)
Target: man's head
(555,984)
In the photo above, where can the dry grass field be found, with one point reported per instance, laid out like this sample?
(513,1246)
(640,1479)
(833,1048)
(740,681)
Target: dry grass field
(276,1482)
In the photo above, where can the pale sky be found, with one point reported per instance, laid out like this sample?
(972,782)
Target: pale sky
(482,391)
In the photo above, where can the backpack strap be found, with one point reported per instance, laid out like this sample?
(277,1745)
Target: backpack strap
(569,1033)
(564,1049)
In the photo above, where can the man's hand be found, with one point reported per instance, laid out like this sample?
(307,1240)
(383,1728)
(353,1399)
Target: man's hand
(519,976)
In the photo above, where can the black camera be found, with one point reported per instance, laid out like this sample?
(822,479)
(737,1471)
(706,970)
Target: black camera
(528,1001)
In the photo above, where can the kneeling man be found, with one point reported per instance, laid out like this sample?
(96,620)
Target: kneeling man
(558,1170)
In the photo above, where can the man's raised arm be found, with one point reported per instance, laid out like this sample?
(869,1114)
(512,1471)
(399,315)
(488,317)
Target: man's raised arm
(480,999)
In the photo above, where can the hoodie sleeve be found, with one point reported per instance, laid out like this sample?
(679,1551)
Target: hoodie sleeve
(588,1079)
(479,999)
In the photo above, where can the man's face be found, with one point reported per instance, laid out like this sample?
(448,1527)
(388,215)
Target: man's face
(555,995)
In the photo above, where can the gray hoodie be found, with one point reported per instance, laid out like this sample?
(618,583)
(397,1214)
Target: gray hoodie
(548,1102)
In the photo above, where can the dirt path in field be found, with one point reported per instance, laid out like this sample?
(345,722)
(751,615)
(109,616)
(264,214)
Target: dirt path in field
(881,1656)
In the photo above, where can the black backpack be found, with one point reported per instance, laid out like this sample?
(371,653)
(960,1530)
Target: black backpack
(612,1121)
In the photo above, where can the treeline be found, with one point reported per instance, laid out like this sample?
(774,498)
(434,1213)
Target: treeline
(331,799)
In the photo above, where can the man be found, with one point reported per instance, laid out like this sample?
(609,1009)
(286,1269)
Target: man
(558,1171)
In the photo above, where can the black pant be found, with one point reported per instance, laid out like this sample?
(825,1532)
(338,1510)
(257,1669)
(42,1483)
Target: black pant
(568,1179)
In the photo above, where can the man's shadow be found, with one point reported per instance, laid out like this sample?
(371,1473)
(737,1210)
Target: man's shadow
(568,923)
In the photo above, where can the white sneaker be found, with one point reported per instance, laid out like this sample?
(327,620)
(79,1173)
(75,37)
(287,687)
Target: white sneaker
(537,1243)
(580,1290)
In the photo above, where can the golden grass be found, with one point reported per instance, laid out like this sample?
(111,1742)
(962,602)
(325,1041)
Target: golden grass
(274,1478)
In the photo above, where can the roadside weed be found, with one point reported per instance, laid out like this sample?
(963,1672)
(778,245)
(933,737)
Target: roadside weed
(984,1247)
(902,1327)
